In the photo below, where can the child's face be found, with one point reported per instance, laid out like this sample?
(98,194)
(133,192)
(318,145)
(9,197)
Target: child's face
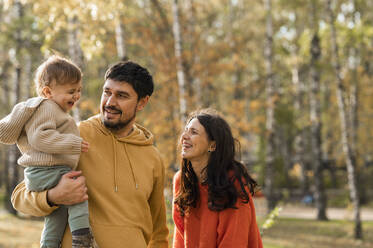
(65,95)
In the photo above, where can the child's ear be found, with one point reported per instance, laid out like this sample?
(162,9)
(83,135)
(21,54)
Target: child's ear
(46,91)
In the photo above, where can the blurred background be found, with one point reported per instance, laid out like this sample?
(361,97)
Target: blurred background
(292,78)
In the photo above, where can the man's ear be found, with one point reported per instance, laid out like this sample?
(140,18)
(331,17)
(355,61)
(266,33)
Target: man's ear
(142,103)
(46,91)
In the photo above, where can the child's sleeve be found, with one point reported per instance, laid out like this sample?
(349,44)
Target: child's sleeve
(12,124)
(42,134)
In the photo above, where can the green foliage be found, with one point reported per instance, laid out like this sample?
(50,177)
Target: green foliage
(270,220)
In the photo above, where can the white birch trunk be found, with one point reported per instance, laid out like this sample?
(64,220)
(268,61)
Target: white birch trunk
(13,152)
(179,62)
(120,38)
(350,158)
(315,118)
(270,104)
(75,53)
(28,75)
(195,88)
(299,140)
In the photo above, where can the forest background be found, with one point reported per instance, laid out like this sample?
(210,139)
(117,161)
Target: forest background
(293,79)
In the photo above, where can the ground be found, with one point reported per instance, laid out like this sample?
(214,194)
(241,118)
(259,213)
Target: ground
(19,233)
(298,232)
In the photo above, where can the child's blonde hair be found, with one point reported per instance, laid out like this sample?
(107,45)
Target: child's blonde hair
(56,70)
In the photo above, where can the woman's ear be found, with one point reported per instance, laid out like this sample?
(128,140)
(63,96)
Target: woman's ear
(212,146)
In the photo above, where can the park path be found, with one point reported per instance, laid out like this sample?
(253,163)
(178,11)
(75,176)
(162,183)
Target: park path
(306,212)
(299,211)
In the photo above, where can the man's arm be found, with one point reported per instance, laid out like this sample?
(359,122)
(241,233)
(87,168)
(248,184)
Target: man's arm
(157,204)
(71,189)
(32,203)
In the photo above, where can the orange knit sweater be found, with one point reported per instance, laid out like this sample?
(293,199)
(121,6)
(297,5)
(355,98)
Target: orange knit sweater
(203,228)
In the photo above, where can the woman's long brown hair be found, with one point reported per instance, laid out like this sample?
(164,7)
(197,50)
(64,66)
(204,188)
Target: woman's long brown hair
(222,172)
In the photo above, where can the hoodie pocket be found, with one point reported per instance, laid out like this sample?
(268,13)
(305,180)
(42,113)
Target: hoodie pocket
(118,236)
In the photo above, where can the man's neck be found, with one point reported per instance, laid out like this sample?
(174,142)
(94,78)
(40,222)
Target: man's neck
(124,132)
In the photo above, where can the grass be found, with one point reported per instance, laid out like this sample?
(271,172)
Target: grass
(285,233)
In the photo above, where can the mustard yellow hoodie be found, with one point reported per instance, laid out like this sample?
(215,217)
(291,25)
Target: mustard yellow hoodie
(125,180)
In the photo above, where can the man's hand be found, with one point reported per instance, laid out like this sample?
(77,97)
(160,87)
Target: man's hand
(71,189)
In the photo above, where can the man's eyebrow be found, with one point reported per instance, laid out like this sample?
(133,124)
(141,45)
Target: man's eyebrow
(118,92)
(123,93)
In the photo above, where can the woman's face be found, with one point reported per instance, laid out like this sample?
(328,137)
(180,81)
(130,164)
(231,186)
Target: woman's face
(195,143)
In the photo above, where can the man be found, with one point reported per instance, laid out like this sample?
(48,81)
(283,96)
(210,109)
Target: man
(122,170)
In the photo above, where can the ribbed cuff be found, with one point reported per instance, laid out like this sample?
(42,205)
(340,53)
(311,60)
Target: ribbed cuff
(43,200)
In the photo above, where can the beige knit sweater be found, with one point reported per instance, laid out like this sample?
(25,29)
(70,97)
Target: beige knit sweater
(43,132)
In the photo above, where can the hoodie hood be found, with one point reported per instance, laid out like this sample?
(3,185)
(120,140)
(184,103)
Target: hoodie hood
(139,136)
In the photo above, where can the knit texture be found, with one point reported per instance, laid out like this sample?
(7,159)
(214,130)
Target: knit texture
(43,132)
(203,228)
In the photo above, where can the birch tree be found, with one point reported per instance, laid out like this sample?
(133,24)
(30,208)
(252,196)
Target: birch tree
(299,94)
(13,171)
(179,62)
(75,50)
(270,105)
(315,118)
(350,158)
(120,37)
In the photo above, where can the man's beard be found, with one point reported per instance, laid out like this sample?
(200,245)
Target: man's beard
(118,125)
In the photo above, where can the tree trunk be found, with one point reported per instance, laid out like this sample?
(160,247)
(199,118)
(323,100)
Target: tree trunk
(299,139)
(315,118)
(4,77)
(13,152)
(75,52)
(270,102)
(28,75)
(179,63)
(354,58)
(195,88)
(350,158)
(120,38)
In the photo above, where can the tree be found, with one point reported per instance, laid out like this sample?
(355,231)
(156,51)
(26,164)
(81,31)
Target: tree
(179,62)
(350,158)
(270,105)
(315,117)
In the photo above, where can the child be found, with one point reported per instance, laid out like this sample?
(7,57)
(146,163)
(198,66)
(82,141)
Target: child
(49,141)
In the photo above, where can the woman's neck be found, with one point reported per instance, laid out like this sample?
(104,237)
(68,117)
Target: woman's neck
(198,166)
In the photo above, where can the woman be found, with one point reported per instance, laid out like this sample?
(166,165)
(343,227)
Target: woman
(212,192)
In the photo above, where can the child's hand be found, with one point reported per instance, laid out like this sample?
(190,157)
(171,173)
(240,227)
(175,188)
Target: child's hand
(85,146)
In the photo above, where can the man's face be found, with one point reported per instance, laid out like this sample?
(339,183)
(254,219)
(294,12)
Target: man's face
(119,105)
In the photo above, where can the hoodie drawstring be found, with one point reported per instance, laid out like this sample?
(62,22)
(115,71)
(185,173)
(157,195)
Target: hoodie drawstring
(115,163)
(129,160)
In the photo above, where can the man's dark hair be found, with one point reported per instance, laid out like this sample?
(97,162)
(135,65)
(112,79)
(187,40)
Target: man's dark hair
(134,74)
